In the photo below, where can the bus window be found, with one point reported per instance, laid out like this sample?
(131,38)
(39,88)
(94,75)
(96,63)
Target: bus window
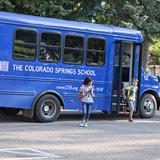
(73,50)
(25,45)
(50,47)
(95,52)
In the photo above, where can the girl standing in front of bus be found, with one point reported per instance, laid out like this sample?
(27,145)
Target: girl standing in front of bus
(86,90)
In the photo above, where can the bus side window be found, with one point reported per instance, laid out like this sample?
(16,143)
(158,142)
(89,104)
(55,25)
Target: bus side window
(73,50)
(95,52)
(50,47)
(25,45)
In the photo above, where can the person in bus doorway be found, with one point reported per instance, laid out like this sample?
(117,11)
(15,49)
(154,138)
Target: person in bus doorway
(86,92)
(131,97)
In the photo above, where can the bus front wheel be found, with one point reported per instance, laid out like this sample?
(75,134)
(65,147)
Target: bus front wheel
(148,106)
(47,109)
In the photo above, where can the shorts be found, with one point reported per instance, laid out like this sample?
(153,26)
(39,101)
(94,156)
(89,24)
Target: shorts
(131,104)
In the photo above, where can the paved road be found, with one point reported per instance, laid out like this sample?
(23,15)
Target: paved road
(106,138)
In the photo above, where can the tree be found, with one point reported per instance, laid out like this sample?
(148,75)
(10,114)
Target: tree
(155,51)
(49,8)
(136,14)
(6,5)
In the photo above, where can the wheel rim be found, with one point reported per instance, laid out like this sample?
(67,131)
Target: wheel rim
(48,109)
(148,106)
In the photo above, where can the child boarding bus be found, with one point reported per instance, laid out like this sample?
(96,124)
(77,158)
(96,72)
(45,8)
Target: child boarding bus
(43,62)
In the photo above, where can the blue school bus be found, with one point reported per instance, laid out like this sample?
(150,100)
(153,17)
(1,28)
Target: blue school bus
(43,62)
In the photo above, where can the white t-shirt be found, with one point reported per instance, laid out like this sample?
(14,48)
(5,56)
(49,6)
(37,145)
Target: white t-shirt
(88,93)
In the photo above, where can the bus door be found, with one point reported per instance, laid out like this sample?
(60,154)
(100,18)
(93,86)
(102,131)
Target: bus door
(117,76)
(136,73)
(125,69)
(137,60)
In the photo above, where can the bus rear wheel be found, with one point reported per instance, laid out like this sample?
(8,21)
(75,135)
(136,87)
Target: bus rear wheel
(47,109)
(148,106)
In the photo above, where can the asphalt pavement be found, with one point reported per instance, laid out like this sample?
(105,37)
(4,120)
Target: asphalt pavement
(107,137)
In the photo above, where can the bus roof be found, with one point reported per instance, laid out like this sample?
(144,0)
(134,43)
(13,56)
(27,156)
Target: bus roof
(52,22)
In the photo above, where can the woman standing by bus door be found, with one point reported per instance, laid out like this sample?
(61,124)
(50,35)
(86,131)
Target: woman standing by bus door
(86,92)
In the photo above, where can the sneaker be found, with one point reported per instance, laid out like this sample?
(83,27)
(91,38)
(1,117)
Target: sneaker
(85,124)
(82,123)
(130,120)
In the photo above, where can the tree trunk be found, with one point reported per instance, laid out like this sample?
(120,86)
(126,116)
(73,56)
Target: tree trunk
(145,54)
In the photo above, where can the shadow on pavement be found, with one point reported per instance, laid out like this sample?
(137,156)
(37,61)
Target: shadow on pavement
(70,116)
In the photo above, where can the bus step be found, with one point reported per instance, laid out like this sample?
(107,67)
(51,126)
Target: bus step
(115,95)
(122,104)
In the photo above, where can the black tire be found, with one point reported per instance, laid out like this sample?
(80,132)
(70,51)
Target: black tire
(47,109)
(148,106)
(10,111)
